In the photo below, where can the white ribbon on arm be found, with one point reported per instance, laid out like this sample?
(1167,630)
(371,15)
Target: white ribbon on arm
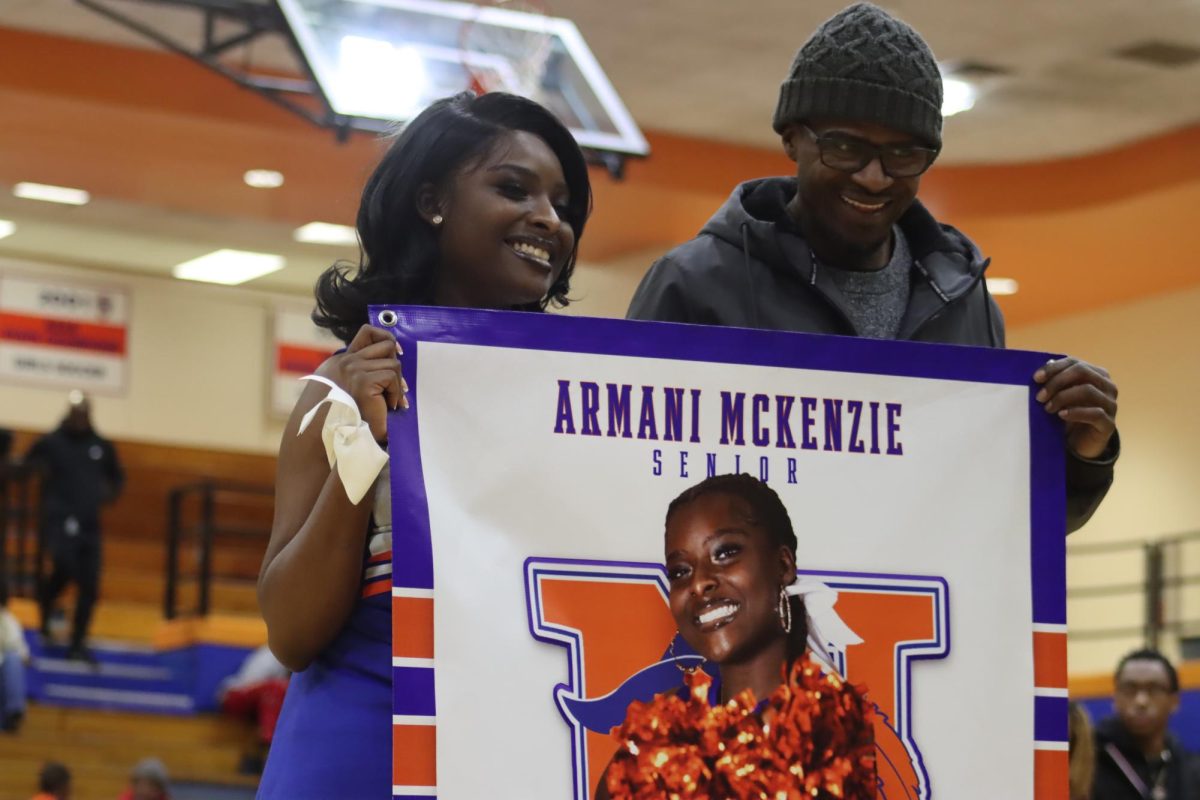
(826,629)
(348,440)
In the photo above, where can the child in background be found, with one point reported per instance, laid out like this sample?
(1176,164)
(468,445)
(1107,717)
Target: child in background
(256,692)
(54,782)
(14,658)
(148,781)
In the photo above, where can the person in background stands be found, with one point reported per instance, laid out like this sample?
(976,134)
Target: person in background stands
(1136,757)
(80,473)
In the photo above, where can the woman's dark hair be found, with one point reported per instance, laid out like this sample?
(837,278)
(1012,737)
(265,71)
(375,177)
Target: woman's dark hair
(399,249)
(1081,750)
(766,511)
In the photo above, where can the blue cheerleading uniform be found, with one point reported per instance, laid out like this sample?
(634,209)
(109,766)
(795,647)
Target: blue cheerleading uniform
(334,737)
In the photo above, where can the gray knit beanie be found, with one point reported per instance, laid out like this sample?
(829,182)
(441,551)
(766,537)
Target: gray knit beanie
(864,64)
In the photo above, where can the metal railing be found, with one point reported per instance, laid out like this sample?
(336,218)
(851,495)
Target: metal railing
(1159,578)
(20,544)
(200,516)
(1152,587)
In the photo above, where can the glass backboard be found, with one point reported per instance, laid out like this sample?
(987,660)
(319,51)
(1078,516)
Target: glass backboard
(382,61)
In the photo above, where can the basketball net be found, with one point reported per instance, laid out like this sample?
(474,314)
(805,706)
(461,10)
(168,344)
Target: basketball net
(506,47)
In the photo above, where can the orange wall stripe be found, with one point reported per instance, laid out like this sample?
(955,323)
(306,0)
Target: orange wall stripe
(166,84)
(1063,228)
(1090,686)
(150,77)
(1189,675)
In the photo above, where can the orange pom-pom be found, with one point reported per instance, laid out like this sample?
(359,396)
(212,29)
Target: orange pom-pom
(813,740)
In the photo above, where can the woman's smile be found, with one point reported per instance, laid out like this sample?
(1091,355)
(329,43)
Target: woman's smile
(506,235)
(538,251)
(716,614)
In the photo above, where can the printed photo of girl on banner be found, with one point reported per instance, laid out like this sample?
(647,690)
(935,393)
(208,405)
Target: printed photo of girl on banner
(766,712)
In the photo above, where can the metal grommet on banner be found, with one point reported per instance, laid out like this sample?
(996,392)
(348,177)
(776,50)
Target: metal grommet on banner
(388,318)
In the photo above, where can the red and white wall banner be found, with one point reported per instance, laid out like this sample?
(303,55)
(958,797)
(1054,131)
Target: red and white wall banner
(298,347)
(55,331)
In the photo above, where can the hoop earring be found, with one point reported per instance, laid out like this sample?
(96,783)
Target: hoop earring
(784,610)
(675,658)
(437,219)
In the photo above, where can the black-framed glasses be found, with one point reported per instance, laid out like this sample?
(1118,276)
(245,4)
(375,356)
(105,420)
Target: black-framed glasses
(1156,691)
(847,153)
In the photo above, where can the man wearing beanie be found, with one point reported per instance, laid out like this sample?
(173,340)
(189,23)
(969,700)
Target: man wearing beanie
(845,247)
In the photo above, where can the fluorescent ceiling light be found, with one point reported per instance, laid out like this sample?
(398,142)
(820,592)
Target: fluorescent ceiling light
(1002,286)
(326,233)
(263,178)
(7,228)
(52,194)
(229,267)
(957,96)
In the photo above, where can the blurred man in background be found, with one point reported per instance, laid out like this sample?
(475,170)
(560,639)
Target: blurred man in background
(1136,757)
(79,473)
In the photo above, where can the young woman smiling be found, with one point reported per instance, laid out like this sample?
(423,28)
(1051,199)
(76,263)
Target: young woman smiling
(480,202)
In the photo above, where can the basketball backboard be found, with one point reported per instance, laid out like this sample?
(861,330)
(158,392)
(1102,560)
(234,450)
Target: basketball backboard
(382,61)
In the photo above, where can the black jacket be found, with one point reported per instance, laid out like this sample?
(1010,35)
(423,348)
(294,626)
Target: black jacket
(1180,779)
(80,472)
(750,268)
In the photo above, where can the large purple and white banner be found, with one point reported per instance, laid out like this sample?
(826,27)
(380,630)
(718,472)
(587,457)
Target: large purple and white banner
(533,601)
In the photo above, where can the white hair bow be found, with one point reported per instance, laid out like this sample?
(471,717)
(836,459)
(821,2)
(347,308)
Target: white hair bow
(827,632)
(348,440)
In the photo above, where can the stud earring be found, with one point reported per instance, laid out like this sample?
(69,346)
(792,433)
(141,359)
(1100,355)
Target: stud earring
(437,219)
